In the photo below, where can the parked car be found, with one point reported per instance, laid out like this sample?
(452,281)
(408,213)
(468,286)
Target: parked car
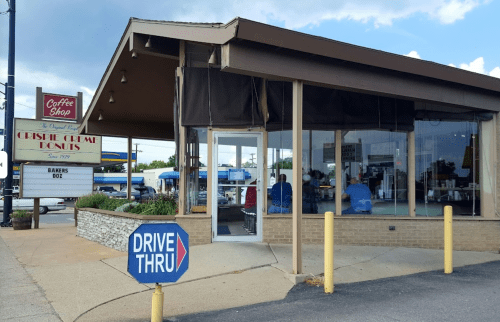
(107,190)
(46,204)
(15,192)
(138,192)
(202,198)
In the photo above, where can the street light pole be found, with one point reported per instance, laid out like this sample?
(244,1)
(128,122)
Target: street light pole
(9,113)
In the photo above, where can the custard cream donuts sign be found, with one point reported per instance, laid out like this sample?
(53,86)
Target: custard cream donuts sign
(54,142)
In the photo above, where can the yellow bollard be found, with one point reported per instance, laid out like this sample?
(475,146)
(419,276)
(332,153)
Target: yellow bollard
(329,252)
(157,305)
(448,240)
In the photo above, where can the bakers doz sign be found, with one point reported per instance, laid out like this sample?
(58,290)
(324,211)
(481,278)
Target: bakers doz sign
(58,106)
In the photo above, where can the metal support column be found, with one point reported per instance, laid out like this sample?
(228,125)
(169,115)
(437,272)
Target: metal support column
(9,113)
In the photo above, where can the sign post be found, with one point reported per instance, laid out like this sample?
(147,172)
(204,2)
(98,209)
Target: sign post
(158,253)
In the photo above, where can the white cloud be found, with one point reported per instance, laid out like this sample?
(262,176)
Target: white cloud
(296,14)
(477,66)
(27,79)
(495,72)
(455,10)
(413,54)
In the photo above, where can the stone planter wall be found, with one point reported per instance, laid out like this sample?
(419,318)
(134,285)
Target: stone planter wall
(112,229)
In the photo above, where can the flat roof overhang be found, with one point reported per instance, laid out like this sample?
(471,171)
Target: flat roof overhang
(143,107)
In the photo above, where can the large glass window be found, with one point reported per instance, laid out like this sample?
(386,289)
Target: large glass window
(279,172)
(196,170)
(377,160)
(447,167)
(318,175)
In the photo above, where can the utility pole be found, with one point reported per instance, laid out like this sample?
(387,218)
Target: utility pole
(136,155)
(9,114)
(252,154)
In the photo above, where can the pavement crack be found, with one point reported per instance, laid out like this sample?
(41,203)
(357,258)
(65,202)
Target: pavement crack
(102,261)
(169,285)
(368,260)
(34,251)
(272,251)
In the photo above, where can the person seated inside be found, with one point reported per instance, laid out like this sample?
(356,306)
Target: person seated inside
(309,196)
(281,195)
(251,198)
(360,196)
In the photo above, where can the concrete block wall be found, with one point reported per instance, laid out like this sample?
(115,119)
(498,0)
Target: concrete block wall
(468,234)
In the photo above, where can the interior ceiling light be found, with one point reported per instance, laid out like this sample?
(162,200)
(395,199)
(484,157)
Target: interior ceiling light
(148,44)
(111,99)
(124,79)
(134,54)
(100,116)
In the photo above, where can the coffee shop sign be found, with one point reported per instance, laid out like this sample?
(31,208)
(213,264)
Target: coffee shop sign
(58,106)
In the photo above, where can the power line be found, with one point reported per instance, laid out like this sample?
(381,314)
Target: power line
(19,103)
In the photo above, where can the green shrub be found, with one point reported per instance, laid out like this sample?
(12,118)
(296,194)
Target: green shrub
(21,214)
(91,200)
(161,205)
(127,206)
(112,204)
(138,209)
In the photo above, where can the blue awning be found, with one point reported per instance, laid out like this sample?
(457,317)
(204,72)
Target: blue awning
(202,175)
(116,180)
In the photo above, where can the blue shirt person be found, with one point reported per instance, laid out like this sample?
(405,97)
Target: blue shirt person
(281,195)
(360,196)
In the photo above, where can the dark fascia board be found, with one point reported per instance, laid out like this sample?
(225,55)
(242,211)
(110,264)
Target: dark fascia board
(249,58)
(261,33)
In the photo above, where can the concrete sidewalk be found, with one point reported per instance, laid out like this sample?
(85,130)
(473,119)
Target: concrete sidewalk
(85,281)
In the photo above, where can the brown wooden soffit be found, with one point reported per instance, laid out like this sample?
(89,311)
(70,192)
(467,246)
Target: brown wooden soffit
(144,130)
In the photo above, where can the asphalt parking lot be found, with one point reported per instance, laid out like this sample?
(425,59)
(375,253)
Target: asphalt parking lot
(470,293)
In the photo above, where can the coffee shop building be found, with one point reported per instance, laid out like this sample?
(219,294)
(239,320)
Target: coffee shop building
(260,101)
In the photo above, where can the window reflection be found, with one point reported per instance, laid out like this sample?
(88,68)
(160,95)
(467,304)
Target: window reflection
(447,167)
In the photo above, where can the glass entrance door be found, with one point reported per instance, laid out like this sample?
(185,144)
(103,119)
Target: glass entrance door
(237,200)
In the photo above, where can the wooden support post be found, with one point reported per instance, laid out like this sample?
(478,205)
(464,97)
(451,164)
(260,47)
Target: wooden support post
(183,166)
(338,172)
(297,176)
(36,212)
(487,167)
(411,174)
(129,168)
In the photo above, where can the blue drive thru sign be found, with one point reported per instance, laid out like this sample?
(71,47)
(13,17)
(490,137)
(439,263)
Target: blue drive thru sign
(158,253)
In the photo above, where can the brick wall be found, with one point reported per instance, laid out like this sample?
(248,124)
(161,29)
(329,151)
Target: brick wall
(199,228)
(468,234)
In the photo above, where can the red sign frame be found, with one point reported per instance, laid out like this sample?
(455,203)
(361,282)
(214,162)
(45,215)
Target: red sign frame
(60,107)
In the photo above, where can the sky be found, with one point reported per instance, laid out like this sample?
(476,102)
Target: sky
(65,46)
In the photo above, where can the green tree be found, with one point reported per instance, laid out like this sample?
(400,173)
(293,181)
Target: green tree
(117,168)
(140,166)
(249,165)
(171,161)
(156,164)
(286,163)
